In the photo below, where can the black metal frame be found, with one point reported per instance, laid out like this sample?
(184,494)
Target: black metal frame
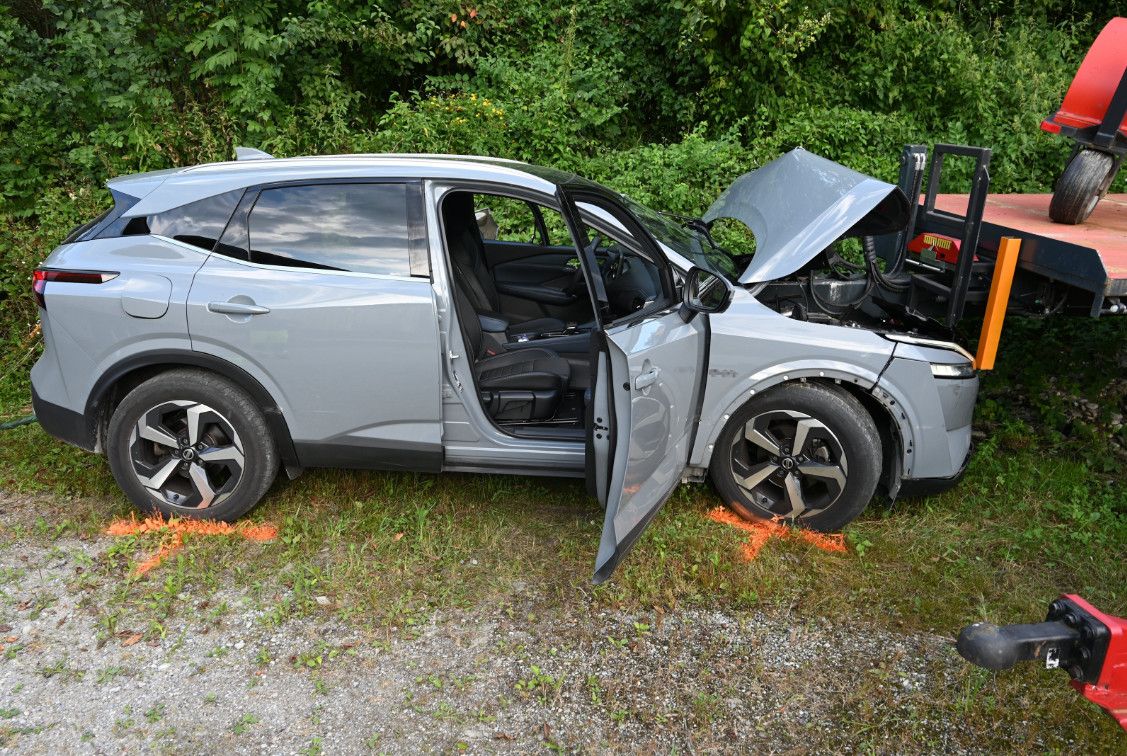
(913,160)
(967,229)
(1070,637)
(941,297)
(1105,136)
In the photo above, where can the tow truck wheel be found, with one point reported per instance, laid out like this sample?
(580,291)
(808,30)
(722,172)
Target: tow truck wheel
(805,453)
(1085,180)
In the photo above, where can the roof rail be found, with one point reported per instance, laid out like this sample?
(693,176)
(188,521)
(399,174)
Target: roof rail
(250,153)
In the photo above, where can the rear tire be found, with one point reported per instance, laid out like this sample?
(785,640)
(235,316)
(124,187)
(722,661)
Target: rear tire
(188,443)
(1085,180)
(804,453)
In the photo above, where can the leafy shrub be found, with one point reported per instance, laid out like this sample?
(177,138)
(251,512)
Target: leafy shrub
(682,177)
(665,102)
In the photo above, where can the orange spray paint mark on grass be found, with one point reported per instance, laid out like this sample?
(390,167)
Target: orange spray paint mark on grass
(174,530)
(762,531)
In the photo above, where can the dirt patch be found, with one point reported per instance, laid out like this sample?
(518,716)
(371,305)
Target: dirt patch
(494,678)
(87,665)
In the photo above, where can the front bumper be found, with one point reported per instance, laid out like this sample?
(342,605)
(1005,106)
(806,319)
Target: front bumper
(935,417)
(918,488)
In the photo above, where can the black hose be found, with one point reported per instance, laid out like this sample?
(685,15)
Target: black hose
(869,249)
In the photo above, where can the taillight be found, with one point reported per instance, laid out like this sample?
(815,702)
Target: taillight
(40,278)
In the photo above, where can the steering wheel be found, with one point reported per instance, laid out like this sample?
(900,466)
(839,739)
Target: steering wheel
(616,262)
(595,242)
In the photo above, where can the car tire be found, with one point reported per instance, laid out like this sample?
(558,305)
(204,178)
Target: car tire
(761,473)
(188,443)
(1085,180)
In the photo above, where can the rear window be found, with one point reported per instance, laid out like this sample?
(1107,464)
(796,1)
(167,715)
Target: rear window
(356,227)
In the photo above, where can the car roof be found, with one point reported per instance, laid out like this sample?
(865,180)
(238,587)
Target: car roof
(162,190)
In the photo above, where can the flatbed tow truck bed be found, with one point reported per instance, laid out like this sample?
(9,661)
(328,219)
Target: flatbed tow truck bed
(1088,260)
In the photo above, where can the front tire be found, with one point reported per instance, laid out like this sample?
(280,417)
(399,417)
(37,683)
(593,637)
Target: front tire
(804,453)
(1085,180)
(188,443)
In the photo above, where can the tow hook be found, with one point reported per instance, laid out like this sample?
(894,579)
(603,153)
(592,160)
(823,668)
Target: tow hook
(1075,636)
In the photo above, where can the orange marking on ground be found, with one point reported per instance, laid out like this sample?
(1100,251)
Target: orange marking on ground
(762,531)
(174,530)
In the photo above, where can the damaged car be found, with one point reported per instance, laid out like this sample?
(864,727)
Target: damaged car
(223,322)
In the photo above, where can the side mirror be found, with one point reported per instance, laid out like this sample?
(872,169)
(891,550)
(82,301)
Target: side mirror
(704,292)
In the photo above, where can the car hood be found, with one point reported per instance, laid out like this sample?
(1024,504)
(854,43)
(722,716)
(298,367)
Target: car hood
(799,204)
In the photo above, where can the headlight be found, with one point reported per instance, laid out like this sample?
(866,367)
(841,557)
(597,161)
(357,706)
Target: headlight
(952,370)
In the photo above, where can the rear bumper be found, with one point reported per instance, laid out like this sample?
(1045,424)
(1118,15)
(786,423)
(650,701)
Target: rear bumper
(63,424)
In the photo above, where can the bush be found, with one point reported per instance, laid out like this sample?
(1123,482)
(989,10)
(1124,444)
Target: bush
(665,102)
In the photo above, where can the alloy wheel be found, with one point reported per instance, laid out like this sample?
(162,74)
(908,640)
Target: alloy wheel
(789,464)
(186,454)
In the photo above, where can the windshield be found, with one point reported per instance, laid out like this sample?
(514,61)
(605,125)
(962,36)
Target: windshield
(691,244)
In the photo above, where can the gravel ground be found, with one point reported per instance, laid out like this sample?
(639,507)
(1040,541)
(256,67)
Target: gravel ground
(495,678)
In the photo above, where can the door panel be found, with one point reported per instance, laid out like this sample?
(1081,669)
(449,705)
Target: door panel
(499,253)
(533,281)
(648,380)
(355,357)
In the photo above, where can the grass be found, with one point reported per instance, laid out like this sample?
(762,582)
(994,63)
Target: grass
(1042,510)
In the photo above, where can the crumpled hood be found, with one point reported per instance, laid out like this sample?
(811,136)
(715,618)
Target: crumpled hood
(799,204)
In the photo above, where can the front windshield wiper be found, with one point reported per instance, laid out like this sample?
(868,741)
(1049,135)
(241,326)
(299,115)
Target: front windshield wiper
(686,221)
(698,225)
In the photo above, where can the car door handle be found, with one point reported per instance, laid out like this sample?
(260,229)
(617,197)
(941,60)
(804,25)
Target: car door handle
(236,308)
(646,379)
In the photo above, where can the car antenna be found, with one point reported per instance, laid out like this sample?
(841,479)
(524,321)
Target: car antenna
(250,153)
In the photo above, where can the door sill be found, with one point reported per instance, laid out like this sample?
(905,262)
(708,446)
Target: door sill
(546,432)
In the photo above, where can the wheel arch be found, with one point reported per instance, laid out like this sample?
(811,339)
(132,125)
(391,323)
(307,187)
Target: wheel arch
(897,440)
(892,437)
(113,385)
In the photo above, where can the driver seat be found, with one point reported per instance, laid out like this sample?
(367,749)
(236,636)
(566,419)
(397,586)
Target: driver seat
(467,252)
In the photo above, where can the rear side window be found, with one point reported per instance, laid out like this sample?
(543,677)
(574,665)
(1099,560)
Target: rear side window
(197,223)
(81,229)
(357,227)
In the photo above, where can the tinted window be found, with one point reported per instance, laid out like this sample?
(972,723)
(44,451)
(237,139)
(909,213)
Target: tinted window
(198,223)
(355,227)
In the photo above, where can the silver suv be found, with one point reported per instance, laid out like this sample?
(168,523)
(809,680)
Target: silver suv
(418,312)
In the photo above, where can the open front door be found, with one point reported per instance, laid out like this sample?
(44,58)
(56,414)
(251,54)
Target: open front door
(648,372)
(647,382)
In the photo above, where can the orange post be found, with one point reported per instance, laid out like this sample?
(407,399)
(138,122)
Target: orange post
(997,303)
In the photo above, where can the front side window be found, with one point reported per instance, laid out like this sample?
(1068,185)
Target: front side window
(633,280)
(362,228)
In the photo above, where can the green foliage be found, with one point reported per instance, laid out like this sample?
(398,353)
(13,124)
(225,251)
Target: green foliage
(665,102)
(750,52)
(92,89)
